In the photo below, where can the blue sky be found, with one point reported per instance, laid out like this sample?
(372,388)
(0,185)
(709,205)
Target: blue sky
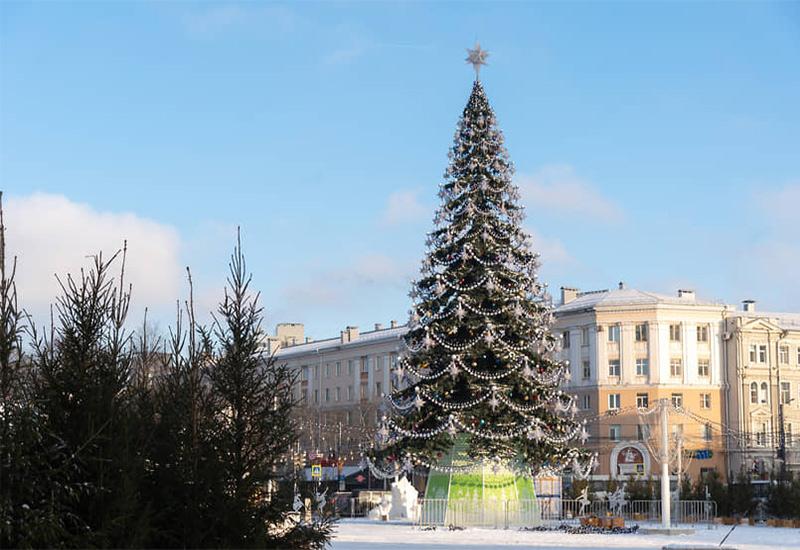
(655,143)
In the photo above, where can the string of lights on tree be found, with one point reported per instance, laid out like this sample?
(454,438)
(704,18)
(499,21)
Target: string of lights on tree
(479,359)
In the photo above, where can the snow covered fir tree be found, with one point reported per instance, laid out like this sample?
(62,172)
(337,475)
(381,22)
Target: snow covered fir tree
(476,390)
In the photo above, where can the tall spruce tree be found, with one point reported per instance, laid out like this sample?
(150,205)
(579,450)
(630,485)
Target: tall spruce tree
(253,395)
(479,362)
(37,474)
(82,371)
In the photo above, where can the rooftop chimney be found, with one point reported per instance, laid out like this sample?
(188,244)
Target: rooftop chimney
(352,333)
(378,326)
(748,305)
(568,294)
(686,294)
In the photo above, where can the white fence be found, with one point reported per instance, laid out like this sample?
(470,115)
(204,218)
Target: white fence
(534,513)
(499,514)
(505,514)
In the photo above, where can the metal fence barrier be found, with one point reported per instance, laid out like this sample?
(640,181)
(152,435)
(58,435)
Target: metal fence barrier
(505,514)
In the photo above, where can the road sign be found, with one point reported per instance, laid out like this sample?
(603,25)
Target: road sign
(316,471)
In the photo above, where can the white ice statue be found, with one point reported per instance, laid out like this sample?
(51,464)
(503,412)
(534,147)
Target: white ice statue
(616,500)
(381,511)
(320,499)
(404,500)
(583,500)
(297,505)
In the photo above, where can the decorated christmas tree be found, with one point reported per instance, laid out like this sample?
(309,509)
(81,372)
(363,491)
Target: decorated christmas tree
(479,372)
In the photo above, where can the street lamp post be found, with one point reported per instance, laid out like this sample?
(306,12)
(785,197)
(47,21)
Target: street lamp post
(782,436)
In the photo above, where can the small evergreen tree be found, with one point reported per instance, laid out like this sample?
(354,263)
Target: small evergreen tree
(36,474)
(82,370)
(185,477)
(253,395)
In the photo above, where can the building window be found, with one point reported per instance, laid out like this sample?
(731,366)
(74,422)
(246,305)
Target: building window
(753,392)
(613,367)
(338,368)
(642,367)
(379,362)
(641,332)
(316,396)
(707,434)
(702,333)
(614,432)
(642,432)
(349,393)
(378,389)
(761,436)
(304,372)
(351,367)
(613,333)
(762,354)
(365,364)
(764,392)
(338,393)
(753,353)
(613,401)
(327,370)
(363,391)
(677,400)
(392,361)
(703,367)
(676,366)
(587,370)
(787,433)
(798,356)
(350,416)
(675,333)
(705,400)
(327,394)
(585,336)
(316,371)
(565,339)
(642,400)
(587,401)
(783,354)
(786,392)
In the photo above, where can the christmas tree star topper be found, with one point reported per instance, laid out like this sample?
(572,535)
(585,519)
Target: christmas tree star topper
(477,57)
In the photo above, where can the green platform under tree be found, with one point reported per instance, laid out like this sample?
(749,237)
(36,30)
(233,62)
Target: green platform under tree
(479,497)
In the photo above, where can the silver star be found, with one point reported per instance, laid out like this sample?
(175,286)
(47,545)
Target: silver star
(477,57)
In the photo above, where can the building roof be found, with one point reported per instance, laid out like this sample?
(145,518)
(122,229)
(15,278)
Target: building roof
(786,321)
(629,297)
(371,336)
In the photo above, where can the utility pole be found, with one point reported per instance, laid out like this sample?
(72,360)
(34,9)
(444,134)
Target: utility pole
(665,496)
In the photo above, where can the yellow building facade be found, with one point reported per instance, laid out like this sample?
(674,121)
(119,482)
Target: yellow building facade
(627,350)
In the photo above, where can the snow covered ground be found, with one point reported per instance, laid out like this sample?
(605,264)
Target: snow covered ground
(366,534)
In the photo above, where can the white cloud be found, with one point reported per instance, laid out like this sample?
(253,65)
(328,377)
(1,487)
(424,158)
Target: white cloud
(403,207)
(551,250)
(214,19)
(219,18)
(51,235)
(343,285)
(781,206)
(767,264)
(342,56)
(558,188)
